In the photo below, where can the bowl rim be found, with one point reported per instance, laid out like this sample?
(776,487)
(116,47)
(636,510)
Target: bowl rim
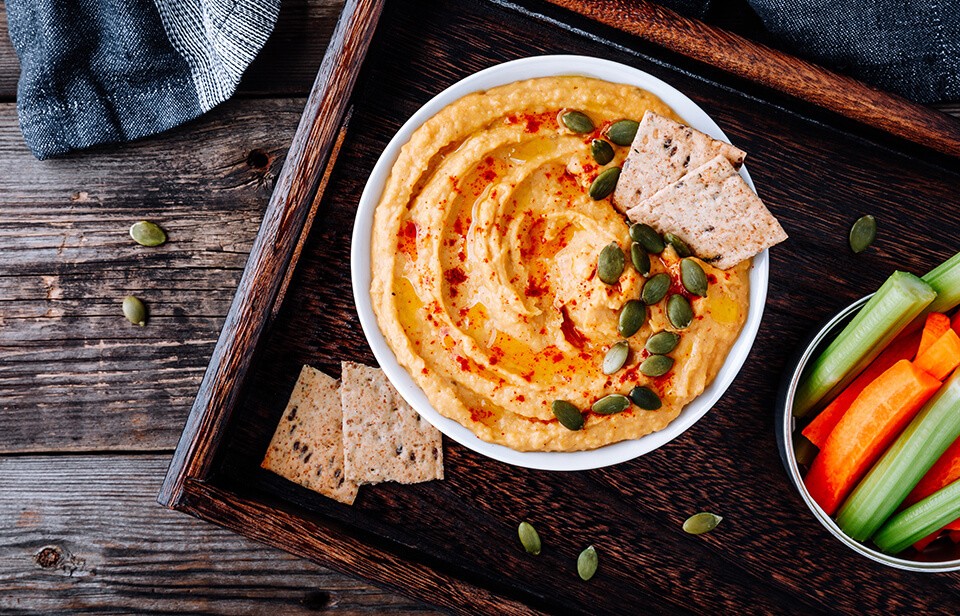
(785,433)
(500,74)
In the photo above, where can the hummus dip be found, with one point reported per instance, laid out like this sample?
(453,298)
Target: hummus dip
(484,278)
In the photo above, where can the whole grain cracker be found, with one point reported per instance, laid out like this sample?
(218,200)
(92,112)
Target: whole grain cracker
(307,446)
(384,439)
(715,212)
(662,152)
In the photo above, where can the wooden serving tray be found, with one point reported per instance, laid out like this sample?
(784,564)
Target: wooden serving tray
(823,150)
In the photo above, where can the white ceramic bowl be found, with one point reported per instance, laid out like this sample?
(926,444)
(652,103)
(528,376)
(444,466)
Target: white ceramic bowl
(509,72)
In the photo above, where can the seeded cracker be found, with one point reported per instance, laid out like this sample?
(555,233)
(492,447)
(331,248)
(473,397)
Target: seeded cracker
(714,211)
(662,152)
(384,439)
(307,447)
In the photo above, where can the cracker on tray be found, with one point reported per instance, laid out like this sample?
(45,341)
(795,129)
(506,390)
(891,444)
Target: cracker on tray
(384,439)
(307,446)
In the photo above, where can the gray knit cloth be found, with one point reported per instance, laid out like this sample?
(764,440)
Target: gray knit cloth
(99,71)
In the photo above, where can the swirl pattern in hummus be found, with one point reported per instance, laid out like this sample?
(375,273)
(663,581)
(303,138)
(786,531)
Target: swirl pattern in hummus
(484,255)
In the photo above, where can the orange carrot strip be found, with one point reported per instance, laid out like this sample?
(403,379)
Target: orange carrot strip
(903,347)
(923,543)
(935,326)
(871,423)
(940,358)
(944,471)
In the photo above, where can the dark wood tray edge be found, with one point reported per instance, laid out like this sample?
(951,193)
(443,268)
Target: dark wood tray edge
(276,247)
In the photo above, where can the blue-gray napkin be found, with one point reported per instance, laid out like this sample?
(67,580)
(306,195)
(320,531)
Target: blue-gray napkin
(100,71)
(911,47)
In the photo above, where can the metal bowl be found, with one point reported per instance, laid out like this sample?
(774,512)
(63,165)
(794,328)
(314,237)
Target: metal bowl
(941,556)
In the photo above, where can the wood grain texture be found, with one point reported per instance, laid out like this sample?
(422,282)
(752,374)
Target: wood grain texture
(77,539)
(66,261)
(816,174)
(775,69)
(276,243)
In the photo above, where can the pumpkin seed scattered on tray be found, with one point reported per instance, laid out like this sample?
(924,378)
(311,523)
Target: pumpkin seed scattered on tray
(700,523)
(529,538)
(134,310)
(587,563)
(147,233)
(862,233)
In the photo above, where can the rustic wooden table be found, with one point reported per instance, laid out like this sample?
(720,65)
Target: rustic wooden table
(91,407)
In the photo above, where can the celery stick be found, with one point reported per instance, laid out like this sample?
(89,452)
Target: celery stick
(945,280)
(920,519)
(934,428)
(898,301)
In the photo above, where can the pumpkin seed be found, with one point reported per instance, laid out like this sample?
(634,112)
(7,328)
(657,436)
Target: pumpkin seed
(655,288)
(679,311)
(693,277)
(622,132)
(678,244)
(700,523)
(567,414)
(611,405)
(862,233)
(632,316)
(134,310)
(616,357)
(645,398)
(587,563)
(640,259)
(610,263)
(656,365)
(647,237)
(662,342)
(529,538)
(603,186)
(577,121)
(147,233)
(602,151)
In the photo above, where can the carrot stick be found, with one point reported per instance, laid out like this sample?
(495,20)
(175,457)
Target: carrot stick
(940,358)
(944,471)
(871,423)
(903,347)
(935,326)
(923,543)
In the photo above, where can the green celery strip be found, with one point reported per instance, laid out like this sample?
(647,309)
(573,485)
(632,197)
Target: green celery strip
(898,302)
(919,520)
(945,280)
(899,470)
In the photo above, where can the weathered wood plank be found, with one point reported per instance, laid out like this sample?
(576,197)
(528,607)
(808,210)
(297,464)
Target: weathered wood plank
(82,534)
(72,363)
